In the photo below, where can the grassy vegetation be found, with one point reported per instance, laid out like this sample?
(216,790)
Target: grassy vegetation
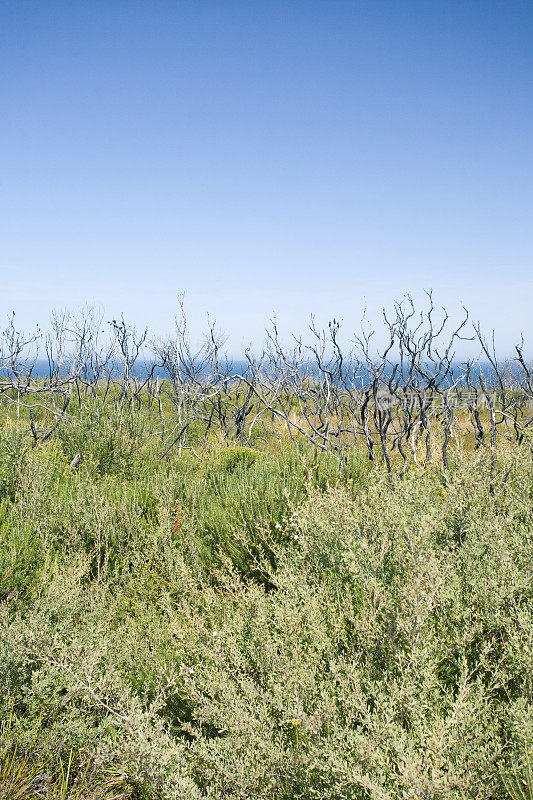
(261,623)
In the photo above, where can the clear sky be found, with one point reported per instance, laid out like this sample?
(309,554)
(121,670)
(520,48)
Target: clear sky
(266,157)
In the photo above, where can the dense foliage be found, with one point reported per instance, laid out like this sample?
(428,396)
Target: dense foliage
(262,624)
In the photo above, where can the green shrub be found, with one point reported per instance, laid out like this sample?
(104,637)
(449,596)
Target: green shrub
(230,458)
(266,625)
(108,442)
(14,448)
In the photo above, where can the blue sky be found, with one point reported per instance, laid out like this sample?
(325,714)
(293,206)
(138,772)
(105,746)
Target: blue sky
(266,157)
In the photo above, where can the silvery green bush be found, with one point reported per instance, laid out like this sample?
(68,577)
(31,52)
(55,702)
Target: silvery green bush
(272,632)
